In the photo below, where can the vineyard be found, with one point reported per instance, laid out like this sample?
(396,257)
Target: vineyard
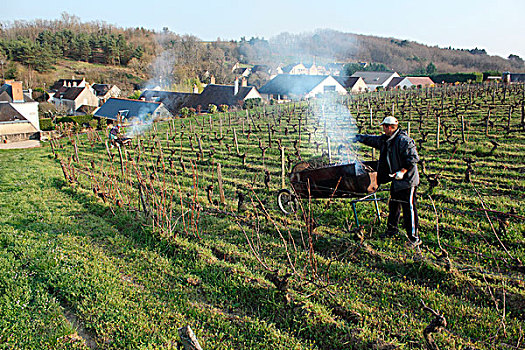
(181,226)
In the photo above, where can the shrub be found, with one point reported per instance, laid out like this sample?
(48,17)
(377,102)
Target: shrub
(102,124)
(223,108)
(184,112)
(65,120)
(46,124)
(212,108)
(83,119)
(252,103)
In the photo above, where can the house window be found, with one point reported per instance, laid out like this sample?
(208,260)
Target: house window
(329,88)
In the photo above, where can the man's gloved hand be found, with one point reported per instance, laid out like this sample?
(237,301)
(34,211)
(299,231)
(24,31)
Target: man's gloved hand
(399,175)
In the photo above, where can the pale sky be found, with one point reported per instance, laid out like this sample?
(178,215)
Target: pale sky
(497,26)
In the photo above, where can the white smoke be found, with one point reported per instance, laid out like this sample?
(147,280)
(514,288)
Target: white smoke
(338,128)
(161,72)
(139,125)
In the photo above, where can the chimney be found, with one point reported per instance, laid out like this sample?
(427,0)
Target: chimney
(212,80)
(18,93)
(236,86)
(195,89)
(244,82)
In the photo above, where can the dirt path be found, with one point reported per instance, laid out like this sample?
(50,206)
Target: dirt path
(20,144)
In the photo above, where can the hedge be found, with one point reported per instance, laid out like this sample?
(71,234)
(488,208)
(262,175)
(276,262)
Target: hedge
(46,124)
(252,103)
(452,78)
(83,119)
(65,120)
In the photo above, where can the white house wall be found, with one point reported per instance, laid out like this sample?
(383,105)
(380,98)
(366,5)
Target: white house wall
(359,86)
(404,84)
(29,110)
(86,98)
(329,81)
(253,94)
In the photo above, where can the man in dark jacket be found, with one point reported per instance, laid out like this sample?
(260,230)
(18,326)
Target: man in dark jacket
(397,164)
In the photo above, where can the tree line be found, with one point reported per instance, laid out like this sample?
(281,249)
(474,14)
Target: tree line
(42,53)
(186,59)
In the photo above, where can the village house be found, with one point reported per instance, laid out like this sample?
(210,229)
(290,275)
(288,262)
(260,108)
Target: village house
(410,82)
(293,69)
(76,100)
(353,84)
(105,92)
(511,78)
(292,87)
(121,109)
(231,95)
(303,69)
(173,101)
(18,114)
(216,94)
(242,70)
(60,83)
(376,80)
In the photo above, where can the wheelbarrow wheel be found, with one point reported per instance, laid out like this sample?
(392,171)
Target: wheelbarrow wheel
(287,201)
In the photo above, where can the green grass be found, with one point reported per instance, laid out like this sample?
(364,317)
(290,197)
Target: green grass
(86,267)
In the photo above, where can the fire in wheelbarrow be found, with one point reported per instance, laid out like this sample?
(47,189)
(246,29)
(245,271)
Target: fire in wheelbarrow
(354,180)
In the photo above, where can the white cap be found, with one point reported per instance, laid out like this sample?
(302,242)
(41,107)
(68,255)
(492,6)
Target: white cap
(390,121)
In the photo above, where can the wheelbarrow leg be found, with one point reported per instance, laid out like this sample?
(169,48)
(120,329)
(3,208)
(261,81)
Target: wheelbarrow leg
(355,214)
(377,208)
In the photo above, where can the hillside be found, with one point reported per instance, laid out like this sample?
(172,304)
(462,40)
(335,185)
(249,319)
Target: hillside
(41,51)
(124,77)
(405,57)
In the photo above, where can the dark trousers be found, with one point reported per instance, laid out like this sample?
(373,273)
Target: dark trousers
(405,200)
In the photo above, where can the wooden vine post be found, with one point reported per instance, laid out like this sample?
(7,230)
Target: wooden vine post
(487,122)
(221,188)
(508,120)
(269,136)
(523,113)
(438,131)
(121,160)
(235,140)
(283,166)
(110,155)
(76,150)
(463,129)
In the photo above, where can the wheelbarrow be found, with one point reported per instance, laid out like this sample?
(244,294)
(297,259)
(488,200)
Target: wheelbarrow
(356,181)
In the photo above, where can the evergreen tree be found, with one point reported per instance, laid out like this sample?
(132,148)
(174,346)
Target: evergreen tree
(431,69)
